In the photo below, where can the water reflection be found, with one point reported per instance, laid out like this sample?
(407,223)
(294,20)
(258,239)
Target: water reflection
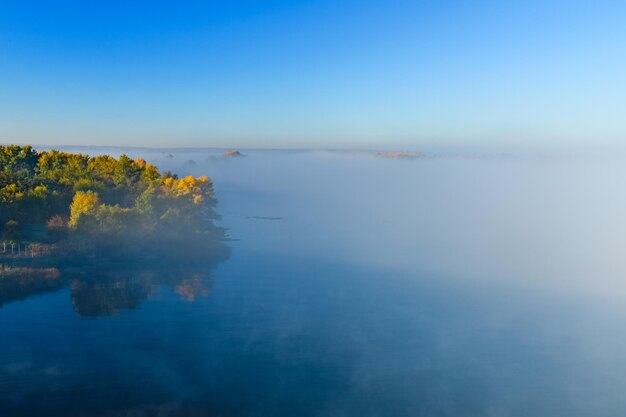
(97,293)
(106,292)
(21,283)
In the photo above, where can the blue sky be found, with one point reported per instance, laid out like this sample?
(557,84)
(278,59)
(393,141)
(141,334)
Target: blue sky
(312,73)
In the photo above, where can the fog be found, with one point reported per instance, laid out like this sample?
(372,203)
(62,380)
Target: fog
(548,221)
(474,284)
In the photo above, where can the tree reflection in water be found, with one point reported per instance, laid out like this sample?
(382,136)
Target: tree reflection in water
(21,283)
(104,293)
(107,293)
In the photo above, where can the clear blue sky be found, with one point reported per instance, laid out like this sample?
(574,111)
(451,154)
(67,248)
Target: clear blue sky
(312,73)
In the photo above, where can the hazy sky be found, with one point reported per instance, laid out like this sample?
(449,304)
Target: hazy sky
(312,73)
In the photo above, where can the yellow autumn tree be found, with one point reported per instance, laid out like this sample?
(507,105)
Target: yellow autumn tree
(84,202)
(198,189)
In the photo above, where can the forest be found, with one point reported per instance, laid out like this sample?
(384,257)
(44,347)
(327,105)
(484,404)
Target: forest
(78,207)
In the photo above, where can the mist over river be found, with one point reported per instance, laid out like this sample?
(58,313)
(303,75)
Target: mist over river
(450,284)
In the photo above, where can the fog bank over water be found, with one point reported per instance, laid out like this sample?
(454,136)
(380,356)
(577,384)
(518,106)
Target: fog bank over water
(551,220)
(450,284)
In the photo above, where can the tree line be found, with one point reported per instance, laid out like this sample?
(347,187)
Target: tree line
(103,205)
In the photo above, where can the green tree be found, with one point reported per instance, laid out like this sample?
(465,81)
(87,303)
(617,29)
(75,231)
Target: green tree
(11,231)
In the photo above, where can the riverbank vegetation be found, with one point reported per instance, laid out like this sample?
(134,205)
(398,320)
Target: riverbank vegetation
(74,207)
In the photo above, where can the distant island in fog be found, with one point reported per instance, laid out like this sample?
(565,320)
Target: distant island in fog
(68,209)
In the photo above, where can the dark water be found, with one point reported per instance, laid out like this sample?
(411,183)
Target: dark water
(292,326)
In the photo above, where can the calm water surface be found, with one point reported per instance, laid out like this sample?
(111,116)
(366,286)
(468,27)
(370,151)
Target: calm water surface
(305,320)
